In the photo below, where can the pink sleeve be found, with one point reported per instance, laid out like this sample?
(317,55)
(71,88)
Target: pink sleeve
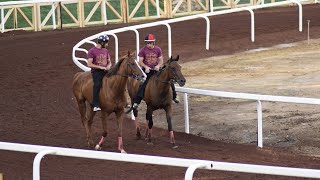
(141,53)
(90,54)
(160,52)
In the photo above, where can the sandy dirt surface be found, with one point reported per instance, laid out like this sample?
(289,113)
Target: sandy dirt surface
(38,106)
(282,70)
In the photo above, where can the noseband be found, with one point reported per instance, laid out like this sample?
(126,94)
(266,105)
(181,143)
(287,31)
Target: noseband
(133,75)
(172,80)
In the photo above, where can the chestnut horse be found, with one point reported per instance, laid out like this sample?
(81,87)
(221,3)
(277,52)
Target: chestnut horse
(112,96)
(158,95)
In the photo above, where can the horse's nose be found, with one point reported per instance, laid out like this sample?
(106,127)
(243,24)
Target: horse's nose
(182,82)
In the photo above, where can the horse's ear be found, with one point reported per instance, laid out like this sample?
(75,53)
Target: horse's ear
(129,53)
(177,58)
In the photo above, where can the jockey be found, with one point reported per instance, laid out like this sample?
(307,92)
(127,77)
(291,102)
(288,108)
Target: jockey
(99,62)
(150,59)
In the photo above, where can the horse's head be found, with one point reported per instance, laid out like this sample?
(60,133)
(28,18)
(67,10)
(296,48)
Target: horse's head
(174,70)
(132,68)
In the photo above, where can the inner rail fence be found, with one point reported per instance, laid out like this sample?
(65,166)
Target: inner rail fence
(257,97)
(190,164)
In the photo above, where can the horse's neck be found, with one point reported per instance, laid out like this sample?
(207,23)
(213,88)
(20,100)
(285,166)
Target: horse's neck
(162,80)
(115,83)
(163,77)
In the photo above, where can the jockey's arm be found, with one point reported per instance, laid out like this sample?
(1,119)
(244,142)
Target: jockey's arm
(157,67)
(142,64)
(109,64)
(91,65)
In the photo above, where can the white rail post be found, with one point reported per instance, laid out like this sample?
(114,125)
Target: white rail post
(169,40)
(186,113)
(53,16)
(191,169)
(207,32)
(104,12)
(259,112)
(252,22)
(116,46)
(138,49)
(158,8)
(137,42)
(300,13)
(36,163)
(211,5)
(2,19)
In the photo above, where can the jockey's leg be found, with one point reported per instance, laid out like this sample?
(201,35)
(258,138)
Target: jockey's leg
(97,83)
(139,96)
(174,93)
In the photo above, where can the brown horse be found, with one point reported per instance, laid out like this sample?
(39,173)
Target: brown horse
(112,96)
(158,95)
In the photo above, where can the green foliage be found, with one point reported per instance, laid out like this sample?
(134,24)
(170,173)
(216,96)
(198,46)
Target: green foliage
(141,10)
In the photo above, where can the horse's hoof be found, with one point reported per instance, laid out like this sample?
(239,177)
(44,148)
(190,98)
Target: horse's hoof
(138,136)
(175,147)
(123,151)
(150,143)
(97,147)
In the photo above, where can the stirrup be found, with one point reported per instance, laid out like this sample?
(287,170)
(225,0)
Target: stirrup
(135,105)
(95,109)
(176,100)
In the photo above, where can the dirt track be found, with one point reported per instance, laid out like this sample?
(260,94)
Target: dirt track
(38,107)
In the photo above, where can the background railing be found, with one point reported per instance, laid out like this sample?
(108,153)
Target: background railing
(92,39)
(51,14)
(257,97)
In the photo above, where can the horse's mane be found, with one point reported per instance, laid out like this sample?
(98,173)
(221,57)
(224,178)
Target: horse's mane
(114,69)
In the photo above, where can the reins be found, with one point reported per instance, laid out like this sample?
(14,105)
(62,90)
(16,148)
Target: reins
(167,82)
(135,76)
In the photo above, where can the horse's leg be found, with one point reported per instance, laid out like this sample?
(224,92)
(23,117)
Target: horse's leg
(136,122)
(119,115)
(169,115)
(104,116)
(90,115)
(82,110)
(149,124)
(85,121)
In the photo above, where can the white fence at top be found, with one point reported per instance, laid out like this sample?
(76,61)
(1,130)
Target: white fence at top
(167,23)
(190,164)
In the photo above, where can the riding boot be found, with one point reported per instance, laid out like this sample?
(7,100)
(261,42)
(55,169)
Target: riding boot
(174,93)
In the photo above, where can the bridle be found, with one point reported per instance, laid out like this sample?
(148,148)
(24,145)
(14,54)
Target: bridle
(172,80)
(133,75)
